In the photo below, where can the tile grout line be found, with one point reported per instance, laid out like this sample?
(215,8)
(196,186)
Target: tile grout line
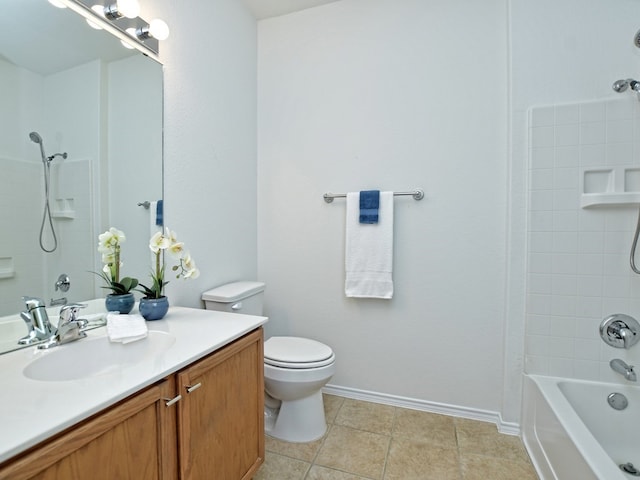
(326,434)
(393,427)
(460,472)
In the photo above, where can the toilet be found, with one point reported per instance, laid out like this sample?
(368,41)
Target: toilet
(295,369)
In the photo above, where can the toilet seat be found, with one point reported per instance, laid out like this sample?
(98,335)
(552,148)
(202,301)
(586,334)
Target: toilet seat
(297,352)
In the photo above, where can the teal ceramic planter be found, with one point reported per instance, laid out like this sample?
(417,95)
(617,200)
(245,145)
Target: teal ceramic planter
(153,308)
(120,303)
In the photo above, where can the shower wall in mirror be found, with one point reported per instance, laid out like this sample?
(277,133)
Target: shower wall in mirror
(99,103)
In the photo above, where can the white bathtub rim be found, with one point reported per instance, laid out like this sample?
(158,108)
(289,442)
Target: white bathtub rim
(592,452)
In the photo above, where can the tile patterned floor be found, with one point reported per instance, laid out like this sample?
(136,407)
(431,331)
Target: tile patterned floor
(369,441)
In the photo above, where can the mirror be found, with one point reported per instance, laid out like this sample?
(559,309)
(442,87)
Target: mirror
(85,95)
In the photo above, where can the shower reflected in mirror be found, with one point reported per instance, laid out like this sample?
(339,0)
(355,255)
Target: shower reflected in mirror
(46,214)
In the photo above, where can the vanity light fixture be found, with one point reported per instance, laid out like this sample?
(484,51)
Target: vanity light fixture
(157,29)
(122,8)
(120,19)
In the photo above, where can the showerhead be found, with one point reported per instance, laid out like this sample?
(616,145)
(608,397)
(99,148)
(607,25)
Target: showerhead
(618,85)
(35,137)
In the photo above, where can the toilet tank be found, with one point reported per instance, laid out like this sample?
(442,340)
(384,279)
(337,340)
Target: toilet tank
(237,297)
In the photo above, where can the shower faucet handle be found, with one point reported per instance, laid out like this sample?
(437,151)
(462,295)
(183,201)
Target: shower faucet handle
(620,331)
(63,283)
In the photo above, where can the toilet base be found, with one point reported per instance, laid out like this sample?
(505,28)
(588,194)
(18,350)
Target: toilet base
(297,421)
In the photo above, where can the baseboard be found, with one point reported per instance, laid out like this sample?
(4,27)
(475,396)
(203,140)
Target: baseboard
(425,406)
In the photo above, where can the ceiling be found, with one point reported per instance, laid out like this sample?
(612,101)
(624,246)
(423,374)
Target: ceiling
(274,8)
(37,51)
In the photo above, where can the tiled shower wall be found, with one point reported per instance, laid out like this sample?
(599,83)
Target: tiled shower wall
(578,258)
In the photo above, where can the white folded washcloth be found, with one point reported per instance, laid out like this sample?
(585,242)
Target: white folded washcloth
(369,250)
(126,328)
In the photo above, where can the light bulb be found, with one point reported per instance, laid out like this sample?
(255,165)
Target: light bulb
(57,4)
(159,29)
(128,8)
(98,11)
(127,45)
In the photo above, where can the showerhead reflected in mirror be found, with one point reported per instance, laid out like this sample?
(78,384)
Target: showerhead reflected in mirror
(69,94)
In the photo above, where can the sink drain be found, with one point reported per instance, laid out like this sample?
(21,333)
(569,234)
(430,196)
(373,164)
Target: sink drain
(618,401)
(630,469)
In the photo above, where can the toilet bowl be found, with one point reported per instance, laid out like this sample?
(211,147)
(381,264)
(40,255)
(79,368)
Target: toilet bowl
(295,369)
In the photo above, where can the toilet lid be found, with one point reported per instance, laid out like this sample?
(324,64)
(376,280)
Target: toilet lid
(296,352)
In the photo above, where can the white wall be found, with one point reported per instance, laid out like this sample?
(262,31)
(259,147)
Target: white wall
(210,139)
(574,55)
(362,94)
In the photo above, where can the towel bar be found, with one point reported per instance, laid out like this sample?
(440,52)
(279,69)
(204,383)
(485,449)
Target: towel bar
(417,194)
(146,204)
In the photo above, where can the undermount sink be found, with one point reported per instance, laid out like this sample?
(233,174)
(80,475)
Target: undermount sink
(95,356)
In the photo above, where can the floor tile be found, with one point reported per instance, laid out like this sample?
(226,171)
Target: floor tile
(332,404)
(368,441)
(354,451)
(419,460)
(301,451)
(323,473)
(372,417)
(279,467)
(483,438)
(480,467)
(438,430)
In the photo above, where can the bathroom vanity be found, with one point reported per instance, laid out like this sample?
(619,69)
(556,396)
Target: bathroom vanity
(189,409)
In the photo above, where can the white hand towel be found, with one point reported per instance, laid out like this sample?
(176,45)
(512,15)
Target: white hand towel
(369,250)
(126,328)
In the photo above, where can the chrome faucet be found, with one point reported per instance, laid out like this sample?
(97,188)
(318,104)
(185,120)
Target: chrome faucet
(620,331)
(58,301)
(37,321)
(69,326)
(623,369)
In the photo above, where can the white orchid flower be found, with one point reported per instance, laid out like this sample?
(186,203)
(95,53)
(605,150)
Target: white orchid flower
(110,240)
(171,235)
(117,234)
(176,249)
(159,242)
(193,273)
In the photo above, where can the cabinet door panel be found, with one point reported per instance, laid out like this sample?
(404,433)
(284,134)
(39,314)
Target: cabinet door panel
(221,421)
(125,442)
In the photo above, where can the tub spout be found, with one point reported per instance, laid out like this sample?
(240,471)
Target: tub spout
(622,368)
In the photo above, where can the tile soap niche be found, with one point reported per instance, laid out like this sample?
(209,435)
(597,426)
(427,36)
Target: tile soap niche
(609,186)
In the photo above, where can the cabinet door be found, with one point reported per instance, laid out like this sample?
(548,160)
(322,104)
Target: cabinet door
(135,439)
(221,417)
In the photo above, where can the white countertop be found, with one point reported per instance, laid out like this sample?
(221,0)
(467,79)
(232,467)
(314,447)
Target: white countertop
(32,410)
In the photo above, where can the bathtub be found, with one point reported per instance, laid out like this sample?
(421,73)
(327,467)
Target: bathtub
(571,431)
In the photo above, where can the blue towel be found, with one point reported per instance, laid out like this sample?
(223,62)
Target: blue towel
(369,205)
(159,213)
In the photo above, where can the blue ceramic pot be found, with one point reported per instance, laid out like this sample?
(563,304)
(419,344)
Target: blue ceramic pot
(153,308)
(120,303)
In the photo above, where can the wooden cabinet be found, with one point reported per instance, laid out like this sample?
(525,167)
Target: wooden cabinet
(128,440)
(221,416)
(214,431)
